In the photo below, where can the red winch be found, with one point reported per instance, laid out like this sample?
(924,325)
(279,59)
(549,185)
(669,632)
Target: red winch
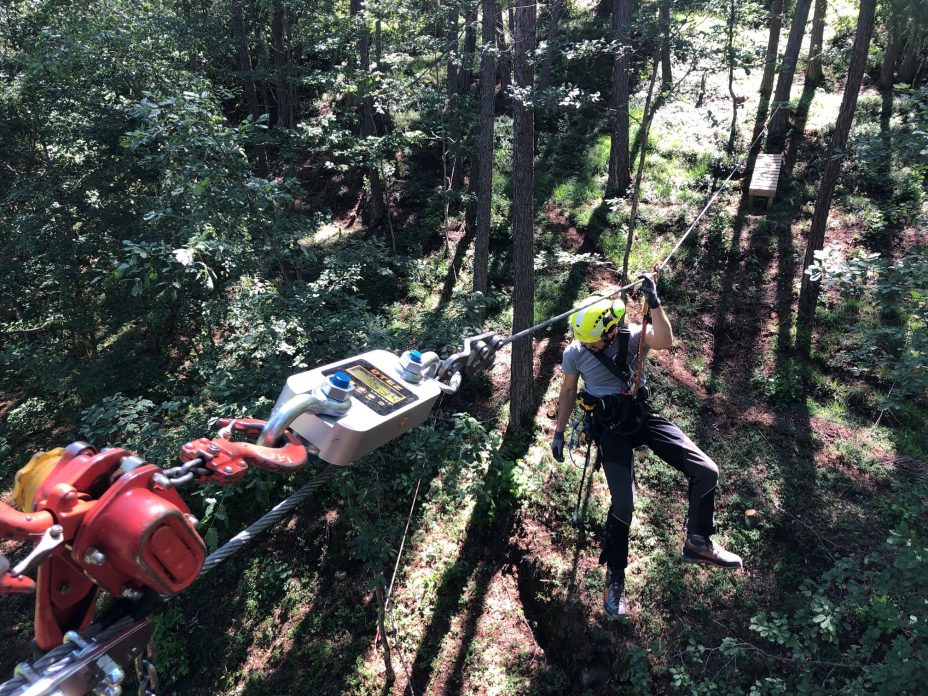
(111,520)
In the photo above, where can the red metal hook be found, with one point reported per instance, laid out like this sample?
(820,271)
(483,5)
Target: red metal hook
(228,461)
(23,525)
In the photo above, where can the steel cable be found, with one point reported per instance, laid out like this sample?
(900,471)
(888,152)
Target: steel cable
(272,517)
(537,327)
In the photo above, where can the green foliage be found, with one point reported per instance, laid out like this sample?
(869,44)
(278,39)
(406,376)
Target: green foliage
(120,419)
(269,332)
(171,657)
(784,388)
(861,628)
(22,421)
(894,351)
(375,506)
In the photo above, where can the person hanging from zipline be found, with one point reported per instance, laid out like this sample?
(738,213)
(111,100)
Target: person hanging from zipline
(605,352)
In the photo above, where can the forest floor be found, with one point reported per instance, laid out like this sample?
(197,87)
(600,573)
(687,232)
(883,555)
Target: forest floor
(529,617)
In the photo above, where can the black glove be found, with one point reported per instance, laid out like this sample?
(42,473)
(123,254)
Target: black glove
(557,446)
(649,290)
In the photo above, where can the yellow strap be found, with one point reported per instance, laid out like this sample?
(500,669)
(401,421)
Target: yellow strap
(31,476)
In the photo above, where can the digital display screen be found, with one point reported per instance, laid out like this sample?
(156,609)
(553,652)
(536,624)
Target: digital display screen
(375,388)
(375,384)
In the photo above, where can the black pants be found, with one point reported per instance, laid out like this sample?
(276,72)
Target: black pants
(669,443)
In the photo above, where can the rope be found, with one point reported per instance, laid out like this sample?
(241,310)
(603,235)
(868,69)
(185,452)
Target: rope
(639,372)
(272,517)
(399,553)
(538,327)
(717,192)
(388,599)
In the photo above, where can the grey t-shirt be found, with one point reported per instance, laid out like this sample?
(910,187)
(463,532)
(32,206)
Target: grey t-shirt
(597,379)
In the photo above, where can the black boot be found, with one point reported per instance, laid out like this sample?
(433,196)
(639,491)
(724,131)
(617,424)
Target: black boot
(614,601)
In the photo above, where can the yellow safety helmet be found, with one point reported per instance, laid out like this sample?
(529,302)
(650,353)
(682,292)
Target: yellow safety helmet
(591,323)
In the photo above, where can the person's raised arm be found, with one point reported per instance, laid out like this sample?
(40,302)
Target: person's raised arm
(660,333)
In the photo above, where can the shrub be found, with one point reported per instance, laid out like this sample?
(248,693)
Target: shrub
(861,628)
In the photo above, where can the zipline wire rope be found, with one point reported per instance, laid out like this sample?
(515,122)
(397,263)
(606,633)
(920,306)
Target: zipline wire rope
(537,327)
(272,517)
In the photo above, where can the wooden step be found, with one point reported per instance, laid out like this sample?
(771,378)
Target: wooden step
(766,176)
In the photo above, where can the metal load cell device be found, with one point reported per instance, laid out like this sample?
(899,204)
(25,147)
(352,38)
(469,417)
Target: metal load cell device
(352,407)
(349,408)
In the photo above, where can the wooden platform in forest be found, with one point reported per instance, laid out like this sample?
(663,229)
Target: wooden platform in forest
(765,178)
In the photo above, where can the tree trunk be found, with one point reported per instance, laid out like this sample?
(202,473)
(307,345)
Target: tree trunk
(619,176)
(521,401)
(908,67)
(378,45)
(278,29)
(377,208)
(557,9)
(451,95)
(248,80)
(733,131)
(888,67)
(244,60)
(451,50)
(797,29)
(646,119)
(505,62)
(464,82)
(770,67)
(808,294)
(485,158)
(466,73)
(814,68)
(664,21)
(263,58)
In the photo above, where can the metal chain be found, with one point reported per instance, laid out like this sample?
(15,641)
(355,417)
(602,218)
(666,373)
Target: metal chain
(146,672)
(178,476)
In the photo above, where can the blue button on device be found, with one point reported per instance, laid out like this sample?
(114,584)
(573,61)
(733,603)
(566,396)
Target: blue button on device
(340,380)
